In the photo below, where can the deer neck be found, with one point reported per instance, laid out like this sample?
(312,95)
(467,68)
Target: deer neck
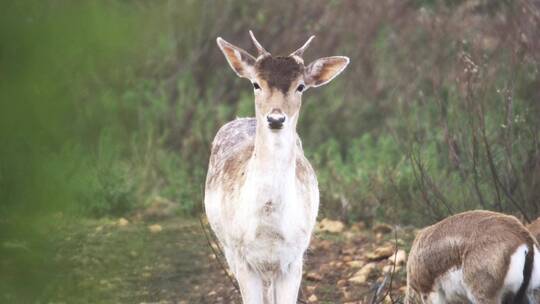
(274,154)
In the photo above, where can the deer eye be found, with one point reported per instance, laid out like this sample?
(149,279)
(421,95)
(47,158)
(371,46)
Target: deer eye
(256,86)
(300,88)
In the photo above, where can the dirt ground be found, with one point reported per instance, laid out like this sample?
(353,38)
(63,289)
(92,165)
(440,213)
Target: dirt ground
(170,261)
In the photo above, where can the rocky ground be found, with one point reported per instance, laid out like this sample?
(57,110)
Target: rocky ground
(137,260)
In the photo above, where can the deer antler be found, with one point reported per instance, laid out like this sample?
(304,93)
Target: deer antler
(262,51)
(301,50)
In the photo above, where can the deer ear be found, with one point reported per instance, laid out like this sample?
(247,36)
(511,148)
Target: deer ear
(239,60)
(322,70)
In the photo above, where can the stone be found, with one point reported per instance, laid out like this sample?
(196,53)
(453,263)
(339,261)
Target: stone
(381,253)
(382,228)
(327,225)
(362,275)
(355,264)
(122,222)
(399,256)
(155,228)
(312,276)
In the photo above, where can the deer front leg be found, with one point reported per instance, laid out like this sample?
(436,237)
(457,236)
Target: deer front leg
(251,284)
(288,284)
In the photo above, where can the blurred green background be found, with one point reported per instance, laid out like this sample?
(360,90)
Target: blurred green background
(106,106)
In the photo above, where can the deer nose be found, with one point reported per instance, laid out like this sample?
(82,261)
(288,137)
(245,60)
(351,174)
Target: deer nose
(275,120)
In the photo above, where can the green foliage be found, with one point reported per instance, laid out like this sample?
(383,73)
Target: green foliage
(126,110)
(141,118)
(109,190)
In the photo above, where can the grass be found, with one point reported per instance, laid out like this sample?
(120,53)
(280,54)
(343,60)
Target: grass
(102,262)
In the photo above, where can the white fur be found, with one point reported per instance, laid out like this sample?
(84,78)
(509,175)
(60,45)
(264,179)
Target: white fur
(449,288)
(248,229)
(453,285)
(514,276)
(535,277)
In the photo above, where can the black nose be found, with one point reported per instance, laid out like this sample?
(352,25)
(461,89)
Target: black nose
(275,122)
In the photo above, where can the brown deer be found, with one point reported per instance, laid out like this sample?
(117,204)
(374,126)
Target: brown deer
(534,228)
(261,195)
(479,257)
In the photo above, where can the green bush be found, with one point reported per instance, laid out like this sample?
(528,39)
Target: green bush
(432,116)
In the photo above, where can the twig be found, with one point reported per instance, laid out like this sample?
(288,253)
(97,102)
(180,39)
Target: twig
(378,291)
(388,292)
(475,164)
(421,181)
(495,176)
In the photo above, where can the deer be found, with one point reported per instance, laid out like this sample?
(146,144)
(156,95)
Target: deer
(479,257)
(534,229)
(261,192)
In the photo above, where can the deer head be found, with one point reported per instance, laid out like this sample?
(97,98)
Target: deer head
(278,82)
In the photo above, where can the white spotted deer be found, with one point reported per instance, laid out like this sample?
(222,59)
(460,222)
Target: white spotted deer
(478,257)
(261,195)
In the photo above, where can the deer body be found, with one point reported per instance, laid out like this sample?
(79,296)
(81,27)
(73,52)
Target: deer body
(261,195)
(262,217)
(476,257)
(534,229)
